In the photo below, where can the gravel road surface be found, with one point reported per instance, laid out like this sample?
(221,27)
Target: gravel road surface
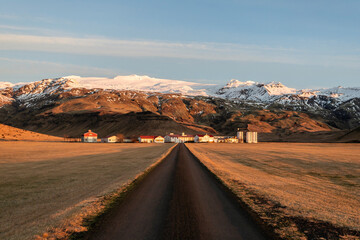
(179,199)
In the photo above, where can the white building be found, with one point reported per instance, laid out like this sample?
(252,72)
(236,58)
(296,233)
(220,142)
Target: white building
(177,138)
(204,138)
(110,139)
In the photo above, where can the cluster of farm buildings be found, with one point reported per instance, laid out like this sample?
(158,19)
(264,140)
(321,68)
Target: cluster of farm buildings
(241,137)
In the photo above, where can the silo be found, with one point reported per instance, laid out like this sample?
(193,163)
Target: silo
(240,137)
(249,137)
(255,137)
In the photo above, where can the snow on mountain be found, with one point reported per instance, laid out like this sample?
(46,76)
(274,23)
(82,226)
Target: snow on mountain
(235,89)
(140,83)
(342,93)
(253,91)
(5,85)
(272,91)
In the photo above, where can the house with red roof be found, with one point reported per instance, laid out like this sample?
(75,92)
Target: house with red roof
(146,139)
(89,137)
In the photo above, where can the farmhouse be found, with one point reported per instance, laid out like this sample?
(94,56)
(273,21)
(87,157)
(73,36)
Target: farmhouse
(89,137)
(146,139)
(204,138)
(110,139)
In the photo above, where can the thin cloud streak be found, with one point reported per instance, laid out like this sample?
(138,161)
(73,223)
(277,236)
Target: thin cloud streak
(34,66)
(202,51)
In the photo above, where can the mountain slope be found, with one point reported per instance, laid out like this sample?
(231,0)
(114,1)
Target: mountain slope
(72,105)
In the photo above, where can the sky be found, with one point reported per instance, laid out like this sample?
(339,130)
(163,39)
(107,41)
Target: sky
(301,43)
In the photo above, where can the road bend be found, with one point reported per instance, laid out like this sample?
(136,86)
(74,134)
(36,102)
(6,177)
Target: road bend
(179,199)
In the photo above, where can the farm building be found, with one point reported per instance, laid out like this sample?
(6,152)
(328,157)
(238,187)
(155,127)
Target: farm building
(225,139)
(177,138)
(110,139)
(219,139)
(159,139)
(204,138)
(146,139)
(231,139)
(89,137)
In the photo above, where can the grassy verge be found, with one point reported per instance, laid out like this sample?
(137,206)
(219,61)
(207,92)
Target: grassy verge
(80,225)
(278,185)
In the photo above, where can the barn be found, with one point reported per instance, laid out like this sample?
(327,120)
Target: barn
(89,137)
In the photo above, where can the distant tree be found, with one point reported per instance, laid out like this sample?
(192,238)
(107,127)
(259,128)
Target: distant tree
(119,138)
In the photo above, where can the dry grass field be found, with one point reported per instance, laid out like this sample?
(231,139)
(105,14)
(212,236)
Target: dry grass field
(302,190)
(42,184)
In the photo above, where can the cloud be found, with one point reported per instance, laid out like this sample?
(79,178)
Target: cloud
(7,16)
(191,50)
(23,68)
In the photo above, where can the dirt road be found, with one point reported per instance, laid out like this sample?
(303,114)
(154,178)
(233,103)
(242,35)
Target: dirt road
(179,199)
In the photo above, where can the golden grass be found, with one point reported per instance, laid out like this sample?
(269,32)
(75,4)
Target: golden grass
(42,184)
(315,181)
(17,134)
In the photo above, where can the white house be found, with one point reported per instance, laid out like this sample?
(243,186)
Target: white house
(89,137)
(204,138)
(110,139)
(159,139)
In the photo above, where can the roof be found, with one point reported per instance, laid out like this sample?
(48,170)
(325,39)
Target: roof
(147,137)
(178,135)
(90,134)
(200,135)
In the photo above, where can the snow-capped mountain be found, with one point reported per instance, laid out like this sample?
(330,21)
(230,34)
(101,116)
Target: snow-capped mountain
(60,103)
(276,91)
(253,91)
(235,89)
(131,82)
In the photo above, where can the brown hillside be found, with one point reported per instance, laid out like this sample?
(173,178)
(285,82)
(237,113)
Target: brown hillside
(134,113)
(142,123)
(276,122)
(12,133)
(352,136)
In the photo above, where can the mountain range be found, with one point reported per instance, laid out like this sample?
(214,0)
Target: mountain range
(144,105)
